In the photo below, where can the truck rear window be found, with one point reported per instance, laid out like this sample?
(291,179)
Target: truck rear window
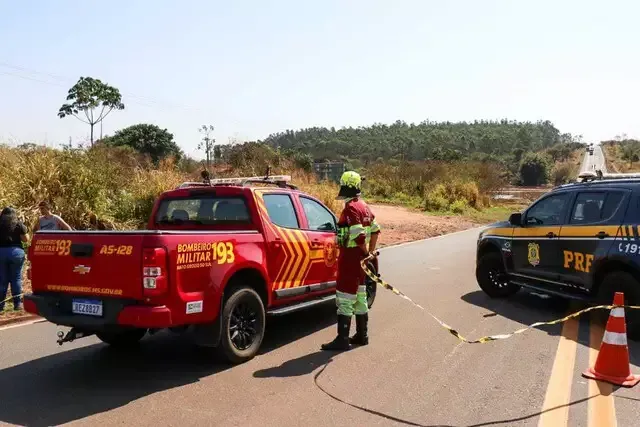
(203,210)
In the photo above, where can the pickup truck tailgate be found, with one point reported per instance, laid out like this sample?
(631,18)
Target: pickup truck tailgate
(102,264)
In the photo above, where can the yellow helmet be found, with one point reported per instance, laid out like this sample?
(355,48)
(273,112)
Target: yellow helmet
(350,183)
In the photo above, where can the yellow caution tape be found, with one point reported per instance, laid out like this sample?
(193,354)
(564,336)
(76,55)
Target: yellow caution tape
(11,297)
(456,334)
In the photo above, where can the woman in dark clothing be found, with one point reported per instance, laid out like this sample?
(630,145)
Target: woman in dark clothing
(12,234)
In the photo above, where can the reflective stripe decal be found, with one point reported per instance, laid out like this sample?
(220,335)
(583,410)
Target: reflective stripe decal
(614,338)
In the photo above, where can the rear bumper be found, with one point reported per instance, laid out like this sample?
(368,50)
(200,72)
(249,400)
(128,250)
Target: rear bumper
(56,308)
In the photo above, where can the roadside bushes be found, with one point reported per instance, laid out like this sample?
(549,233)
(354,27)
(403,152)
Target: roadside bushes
(453,196)
(436,186)
(113,187)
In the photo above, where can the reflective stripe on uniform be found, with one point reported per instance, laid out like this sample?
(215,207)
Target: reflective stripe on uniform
(361,306)
(347,236)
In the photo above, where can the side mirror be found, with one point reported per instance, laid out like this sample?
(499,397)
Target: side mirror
(515,219)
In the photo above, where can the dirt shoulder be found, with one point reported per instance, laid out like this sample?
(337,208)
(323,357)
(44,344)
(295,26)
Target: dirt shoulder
(401,225)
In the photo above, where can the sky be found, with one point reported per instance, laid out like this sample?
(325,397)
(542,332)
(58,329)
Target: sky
(251,68)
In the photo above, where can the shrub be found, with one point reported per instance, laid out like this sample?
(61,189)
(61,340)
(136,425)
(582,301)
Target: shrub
(535,169)
(454,196)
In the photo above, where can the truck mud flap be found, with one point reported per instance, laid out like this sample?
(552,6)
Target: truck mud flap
(207,334)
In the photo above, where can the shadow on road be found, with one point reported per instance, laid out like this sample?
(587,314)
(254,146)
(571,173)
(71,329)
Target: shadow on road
(297,367)
(78,383)
(526,308)
(523,307)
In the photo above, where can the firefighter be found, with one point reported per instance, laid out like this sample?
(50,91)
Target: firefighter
(357,237)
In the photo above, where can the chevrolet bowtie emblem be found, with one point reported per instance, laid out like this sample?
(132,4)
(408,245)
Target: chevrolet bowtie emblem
(82,269)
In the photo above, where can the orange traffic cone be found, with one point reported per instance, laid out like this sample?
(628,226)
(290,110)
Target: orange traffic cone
(612,364)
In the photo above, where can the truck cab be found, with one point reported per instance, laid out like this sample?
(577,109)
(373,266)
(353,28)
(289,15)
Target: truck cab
(216,259)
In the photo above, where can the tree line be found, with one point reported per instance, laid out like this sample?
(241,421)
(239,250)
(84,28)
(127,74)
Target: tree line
(522,148)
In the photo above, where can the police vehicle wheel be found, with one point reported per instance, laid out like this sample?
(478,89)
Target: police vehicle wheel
(121,338)
(371,285)
(492,278)
(621,281)
(243,324)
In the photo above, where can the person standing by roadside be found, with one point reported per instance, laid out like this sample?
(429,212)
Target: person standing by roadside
(48,220)
(12,234)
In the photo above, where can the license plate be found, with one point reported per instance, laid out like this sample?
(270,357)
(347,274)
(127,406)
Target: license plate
(87,307)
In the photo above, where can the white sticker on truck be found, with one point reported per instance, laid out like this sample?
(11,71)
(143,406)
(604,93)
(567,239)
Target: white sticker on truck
(194,307)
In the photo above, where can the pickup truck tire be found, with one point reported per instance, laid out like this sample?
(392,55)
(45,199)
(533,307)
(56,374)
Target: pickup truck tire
(371,285)
(621,281)
(243,324)
(123,338)
(491,276)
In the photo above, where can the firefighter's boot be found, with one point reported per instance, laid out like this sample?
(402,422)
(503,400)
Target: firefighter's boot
(341,342)
(362,336)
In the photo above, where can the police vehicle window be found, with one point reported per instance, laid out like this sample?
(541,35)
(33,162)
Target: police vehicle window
(318,217)
(588,208)
(281,211)
(611,204)
(549,211)
(203,210)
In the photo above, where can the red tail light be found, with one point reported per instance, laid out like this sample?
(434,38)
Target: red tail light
(154,271)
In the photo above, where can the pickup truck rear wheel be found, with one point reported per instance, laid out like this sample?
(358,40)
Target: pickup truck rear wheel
(243,324)
(620,281)
(492,278)
(121,338)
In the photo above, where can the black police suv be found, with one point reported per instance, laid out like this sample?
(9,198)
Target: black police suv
(580,241)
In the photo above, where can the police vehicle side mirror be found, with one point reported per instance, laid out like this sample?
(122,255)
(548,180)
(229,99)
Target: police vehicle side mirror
(515,219)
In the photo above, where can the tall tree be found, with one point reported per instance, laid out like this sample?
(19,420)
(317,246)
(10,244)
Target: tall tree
(147,139)
(88,96)
(207,143)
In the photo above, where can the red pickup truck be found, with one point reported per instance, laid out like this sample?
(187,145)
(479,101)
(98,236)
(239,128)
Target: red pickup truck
(215,259)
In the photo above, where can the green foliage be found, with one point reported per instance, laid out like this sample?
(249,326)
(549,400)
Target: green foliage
(87,96)
(535,169)
(207,143)
(454,196)
(147,139)
(108,187)
(493,140)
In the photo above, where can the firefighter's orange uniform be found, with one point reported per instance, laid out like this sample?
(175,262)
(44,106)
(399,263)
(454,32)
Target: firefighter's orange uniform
(355,227)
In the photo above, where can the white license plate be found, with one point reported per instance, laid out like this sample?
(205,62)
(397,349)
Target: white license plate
(88,307)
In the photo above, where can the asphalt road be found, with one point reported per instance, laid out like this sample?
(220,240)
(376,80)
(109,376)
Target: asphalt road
(595,161)
(412,373)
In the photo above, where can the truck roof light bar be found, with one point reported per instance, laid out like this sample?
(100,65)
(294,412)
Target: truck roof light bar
(279,180)
(598,175)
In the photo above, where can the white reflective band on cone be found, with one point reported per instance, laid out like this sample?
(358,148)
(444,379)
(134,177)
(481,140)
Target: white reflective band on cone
(617,312)
(614,338)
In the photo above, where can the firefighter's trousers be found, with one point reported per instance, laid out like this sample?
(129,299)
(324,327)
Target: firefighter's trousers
(350,304)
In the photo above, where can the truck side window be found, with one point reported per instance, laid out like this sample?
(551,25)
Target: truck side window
(592,208)
(548,211)
(318,217)
(281,211)
(588,208)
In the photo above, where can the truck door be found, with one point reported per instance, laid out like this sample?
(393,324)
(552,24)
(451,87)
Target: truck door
(321,230)
(535,243)
(287,246)
(593,226)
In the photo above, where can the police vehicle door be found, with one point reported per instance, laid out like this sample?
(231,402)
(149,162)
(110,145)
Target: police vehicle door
(593,225)
(534,245)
